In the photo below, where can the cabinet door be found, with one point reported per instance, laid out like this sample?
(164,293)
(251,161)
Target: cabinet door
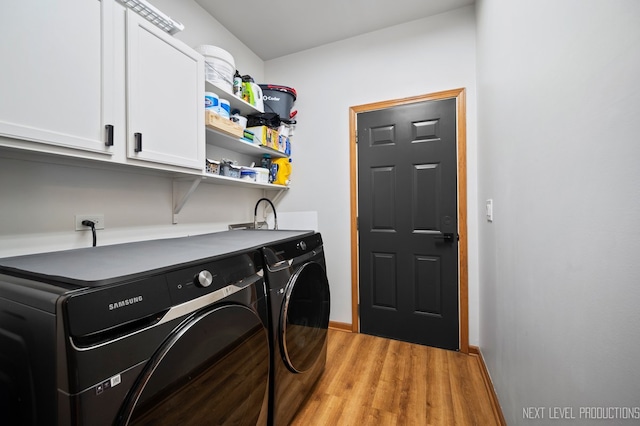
(165,97)
(56,78)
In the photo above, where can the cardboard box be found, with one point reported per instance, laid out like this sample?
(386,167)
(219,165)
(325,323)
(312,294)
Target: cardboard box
(266,136)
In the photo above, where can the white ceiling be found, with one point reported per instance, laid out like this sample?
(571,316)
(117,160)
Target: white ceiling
(280,27)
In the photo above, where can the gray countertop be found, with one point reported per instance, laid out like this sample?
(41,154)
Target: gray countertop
(95,266)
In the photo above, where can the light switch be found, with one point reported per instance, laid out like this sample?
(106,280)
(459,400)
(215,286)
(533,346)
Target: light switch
(489,210)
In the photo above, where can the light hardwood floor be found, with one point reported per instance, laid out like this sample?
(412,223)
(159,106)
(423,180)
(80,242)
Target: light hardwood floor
(374,381)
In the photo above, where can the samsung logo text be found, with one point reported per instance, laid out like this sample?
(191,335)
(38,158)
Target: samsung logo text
(125,302)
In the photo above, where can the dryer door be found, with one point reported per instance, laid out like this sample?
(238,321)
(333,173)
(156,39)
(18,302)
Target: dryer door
(214,369)
(304,319)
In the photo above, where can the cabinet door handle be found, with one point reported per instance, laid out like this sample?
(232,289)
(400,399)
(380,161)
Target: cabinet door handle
(108,135)
(138,146)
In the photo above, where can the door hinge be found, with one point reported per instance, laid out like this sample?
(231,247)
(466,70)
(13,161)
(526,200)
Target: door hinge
(356,136)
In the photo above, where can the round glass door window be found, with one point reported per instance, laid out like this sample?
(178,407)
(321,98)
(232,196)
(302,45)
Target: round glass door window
(305,317)
(214,369)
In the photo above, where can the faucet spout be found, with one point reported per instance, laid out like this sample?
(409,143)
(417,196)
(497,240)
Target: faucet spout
(255,214)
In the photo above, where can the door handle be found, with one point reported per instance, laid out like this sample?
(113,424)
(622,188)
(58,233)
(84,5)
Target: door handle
(447,237)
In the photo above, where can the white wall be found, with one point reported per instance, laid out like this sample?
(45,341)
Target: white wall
(38,200)
(558,151)
(420,57)
(202,28)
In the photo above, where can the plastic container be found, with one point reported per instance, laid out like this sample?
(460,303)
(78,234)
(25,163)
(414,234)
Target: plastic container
(262,174)
(287,148)
(283,172)
(210,101)
(278,99)
(265,162)
(257,97)
(242,121)
(219,66)
(230,170)
(248,173)
(237,84)
(225,108)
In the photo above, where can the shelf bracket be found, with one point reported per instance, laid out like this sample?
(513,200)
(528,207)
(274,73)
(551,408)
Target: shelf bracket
(279,195)
(182,190)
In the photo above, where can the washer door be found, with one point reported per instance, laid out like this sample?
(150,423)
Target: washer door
(214,369)
(304,319)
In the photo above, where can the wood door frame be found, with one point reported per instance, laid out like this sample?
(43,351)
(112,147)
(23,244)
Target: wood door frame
(461,145)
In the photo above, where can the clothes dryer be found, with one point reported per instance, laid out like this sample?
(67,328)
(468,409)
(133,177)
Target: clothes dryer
(299,302)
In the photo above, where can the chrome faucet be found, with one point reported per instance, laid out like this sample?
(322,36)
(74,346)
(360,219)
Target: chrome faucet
(255,214)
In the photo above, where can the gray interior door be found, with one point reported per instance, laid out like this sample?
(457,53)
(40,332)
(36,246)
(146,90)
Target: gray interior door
(408,229)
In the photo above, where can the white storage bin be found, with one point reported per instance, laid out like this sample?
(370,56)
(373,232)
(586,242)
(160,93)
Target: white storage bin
(262,174)
(219,66)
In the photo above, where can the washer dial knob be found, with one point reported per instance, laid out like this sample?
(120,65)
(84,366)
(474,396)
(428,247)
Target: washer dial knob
(203,279)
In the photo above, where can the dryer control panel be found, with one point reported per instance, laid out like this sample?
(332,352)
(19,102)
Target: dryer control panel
(206,277)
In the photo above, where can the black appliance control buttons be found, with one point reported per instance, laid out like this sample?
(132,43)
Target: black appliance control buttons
(203,279)
(302,245)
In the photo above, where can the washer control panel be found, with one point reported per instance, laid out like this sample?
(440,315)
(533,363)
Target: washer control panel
(203,279)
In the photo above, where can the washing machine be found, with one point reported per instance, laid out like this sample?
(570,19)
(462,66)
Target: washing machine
(299,303)
(162,332)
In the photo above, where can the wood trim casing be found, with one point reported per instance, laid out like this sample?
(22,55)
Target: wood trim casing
(353,185)
(463,270)
(463,259)
(495,403)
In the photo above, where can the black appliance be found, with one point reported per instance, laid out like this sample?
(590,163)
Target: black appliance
(299,303)
(172,329)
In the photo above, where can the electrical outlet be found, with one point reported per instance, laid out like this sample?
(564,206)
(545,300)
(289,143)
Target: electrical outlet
(98,219)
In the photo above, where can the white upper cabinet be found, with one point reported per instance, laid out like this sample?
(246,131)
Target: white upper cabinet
(165,97)
(71,68)
(56,77)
